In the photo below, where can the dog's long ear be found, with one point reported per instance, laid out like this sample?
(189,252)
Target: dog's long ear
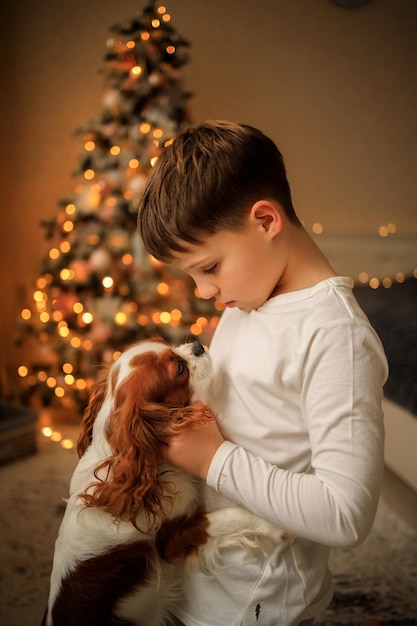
(90,414)
(139,428)
(133,480)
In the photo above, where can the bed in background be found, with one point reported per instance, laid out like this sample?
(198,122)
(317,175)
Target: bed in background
(393,313)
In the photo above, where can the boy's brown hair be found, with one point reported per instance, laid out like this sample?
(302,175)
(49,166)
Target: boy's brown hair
(206,181)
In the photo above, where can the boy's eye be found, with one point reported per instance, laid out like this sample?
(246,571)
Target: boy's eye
(210,270)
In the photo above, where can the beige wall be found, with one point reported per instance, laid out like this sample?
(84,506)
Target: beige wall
(336,88)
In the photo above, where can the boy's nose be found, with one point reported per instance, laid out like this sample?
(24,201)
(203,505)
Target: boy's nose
(207,291)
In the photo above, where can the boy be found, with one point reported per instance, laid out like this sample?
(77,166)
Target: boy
(298,374)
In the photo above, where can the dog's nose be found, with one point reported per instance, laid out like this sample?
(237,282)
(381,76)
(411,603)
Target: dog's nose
(197,348)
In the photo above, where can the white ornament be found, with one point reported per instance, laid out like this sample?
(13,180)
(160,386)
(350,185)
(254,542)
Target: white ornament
(100,260)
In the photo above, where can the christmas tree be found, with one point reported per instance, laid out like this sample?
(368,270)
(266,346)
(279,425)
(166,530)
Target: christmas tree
(98,290)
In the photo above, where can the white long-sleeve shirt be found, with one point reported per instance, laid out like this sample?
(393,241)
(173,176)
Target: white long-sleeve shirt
(297,389)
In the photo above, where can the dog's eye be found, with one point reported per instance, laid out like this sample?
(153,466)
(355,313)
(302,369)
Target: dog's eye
(180,368)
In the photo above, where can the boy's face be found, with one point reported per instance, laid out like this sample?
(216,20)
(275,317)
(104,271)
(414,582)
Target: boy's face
(240,269)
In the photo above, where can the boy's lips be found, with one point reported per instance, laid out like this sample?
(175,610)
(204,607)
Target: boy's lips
(230,304)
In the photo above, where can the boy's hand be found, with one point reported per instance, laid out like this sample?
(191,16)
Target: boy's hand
(194,448)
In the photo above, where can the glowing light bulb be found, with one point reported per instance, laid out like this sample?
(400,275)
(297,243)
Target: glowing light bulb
(39,296)
(176,315)
(201,322)
(54,253)
(127,259)
(66,274)
(57,316)
(120,318)
(67,226)
(107,282)
(87,317)
(163,289)
(165,317)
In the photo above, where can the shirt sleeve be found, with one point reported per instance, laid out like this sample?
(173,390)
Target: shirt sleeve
(335,502)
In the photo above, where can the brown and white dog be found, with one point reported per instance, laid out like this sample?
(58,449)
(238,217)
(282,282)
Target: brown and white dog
(131,518)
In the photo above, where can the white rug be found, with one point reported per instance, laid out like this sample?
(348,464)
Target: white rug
(378,579)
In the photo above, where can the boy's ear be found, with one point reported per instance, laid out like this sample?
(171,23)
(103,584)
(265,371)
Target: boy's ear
(268,215)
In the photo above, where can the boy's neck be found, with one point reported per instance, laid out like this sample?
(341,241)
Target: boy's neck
(306,264)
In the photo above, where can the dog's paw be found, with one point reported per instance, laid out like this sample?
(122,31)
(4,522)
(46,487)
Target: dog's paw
(242,524)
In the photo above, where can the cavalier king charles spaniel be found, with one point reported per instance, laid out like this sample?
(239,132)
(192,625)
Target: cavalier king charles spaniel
(132,520)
